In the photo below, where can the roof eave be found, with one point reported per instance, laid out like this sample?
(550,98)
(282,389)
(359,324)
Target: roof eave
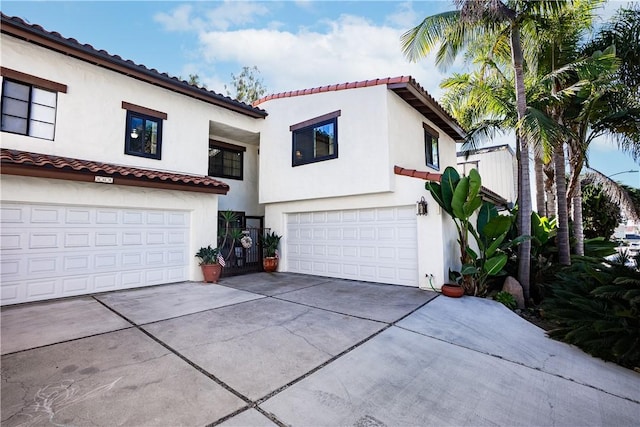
(103,59)
(87,176)
(454,130)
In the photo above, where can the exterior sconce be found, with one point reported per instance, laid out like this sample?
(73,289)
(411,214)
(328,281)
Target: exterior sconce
(421,207)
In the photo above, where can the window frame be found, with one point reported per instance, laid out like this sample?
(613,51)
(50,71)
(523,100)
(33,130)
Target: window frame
(231,148)
(31,83)
(145,114)
(431,138)
(330,118)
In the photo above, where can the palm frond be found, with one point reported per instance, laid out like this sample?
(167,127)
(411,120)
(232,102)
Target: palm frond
(616,193)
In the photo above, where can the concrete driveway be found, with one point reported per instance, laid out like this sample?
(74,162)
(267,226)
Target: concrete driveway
(287,349)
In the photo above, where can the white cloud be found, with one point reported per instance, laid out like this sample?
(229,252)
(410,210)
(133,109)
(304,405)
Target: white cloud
(179,19)
(350,49)
(404,17)
(228,14)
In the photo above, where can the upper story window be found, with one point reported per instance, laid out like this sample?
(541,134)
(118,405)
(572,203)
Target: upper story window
(315,140)
(431,147)
(143,131)
(226,160)
(29,104)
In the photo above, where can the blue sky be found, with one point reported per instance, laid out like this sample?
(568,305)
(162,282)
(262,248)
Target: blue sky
(295,44)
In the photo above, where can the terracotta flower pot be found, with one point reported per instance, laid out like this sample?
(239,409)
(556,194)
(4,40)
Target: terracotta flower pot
(453,291)
(270,264)
(211,272)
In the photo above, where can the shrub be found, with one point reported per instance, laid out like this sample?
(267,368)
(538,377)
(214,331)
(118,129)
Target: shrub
(596,305)
(507,299)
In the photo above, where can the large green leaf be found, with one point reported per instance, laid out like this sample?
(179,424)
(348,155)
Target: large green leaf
(460,194)
(487,212)
(449,181)
(475,183)
(494,264)
(493,247)
(436,192)
(471,206)
(497,226)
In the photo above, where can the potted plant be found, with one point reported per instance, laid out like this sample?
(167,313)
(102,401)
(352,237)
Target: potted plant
(270,243)
(210,263)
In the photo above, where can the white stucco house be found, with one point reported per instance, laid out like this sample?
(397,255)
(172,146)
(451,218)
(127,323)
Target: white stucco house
(113,174)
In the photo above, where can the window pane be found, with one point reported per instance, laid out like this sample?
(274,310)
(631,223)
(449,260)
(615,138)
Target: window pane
(151,137)
(16,90)
(304,142)
(135,134)
(42,113)
(315,143)
(41,130)
(324,140)
(15,107)
(14,124)
(225,163)
(434,153)
(43,97)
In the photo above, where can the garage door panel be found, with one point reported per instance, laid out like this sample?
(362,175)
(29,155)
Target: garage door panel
(378,245)
(59,251)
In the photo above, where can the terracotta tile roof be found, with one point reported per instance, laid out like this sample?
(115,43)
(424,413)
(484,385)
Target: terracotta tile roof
(335,87)
(404,86)
(17,27)
(427,176)
(44,165)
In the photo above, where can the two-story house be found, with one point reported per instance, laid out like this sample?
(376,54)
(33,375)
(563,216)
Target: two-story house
(331,163)
(113,174)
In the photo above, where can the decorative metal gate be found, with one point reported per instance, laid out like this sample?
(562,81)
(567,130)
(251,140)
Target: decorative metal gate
(240,256)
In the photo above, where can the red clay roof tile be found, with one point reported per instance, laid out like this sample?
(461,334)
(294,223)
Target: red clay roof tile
(37,160)
(427,176)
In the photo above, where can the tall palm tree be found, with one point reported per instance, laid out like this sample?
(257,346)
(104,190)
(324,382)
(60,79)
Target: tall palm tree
(454,31)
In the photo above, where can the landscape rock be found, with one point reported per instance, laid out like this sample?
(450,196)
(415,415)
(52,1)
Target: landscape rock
(514,287)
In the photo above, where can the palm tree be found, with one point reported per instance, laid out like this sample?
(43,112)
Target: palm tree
(454,31)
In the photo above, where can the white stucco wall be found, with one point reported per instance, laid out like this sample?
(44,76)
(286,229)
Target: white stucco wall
(90,121)
(406,137)
(363,151)
(54,191)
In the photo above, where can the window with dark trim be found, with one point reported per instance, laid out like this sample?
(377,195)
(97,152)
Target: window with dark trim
(28,110)
(431,147)
(143,131)
(226,160)
(315,140)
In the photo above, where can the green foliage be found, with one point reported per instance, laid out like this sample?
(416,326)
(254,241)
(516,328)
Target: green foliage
(599,247)
(270,243)
(208,255)
(248,87)
(460,198)
(596,305)
(507,299)
(600,215)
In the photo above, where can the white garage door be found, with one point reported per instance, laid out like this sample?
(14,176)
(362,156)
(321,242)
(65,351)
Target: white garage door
(59,251)
(376,245)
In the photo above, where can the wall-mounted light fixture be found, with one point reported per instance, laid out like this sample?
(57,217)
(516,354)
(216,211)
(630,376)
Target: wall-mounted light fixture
(421,207)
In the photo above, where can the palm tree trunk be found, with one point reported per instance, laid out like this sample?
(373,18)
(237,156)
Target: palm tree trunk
(524,190)
(549,183)
(541,206)
(578,225)
(574,194)
(564,249)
